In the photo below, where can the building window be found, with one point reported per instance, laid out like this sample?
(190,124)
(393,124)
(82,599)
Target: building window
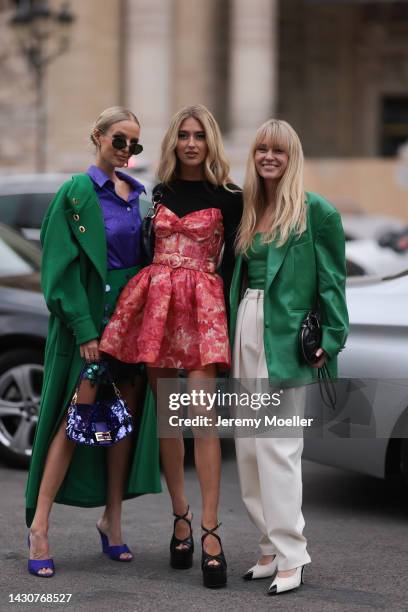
(394,124)
(385,11)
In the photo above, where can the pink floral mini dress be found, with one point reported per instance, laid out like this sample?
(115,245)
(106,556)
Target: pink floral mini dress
(172,313)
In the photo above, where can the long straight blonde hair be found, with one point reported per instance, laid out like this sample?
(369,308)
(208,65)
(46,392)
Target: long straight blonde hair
(216,166)
(289,214)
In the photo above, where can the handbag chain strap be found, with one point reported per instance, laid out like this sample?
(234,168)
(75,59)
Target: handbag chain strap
(156,200)
(327,387)
(110,379)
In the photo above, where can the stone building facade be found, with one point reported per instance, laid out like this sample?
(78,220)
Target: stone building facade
(343,75)
(336,69)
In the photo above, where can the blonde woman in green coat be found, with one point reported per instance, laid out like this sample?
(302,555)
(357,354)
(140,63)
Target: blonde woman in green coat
(91,247)
(290,258)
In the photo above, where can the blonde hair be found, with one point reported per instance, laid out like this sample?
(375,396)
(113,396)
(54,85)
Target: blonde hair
(289,214)
(216,166)
(108,117)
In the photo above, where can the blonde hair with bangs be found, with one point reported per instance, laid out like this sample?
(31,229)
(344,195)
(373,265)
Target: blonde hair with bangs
(289,214)
(216,166)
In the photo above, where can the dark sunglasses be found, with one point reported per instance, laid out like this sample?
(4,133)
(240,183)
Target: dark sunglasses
(120,142)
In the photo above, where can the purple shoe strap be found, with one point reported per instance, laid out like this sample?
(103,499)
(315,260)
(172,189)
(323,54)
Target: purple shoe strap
(116,551)
(38,564)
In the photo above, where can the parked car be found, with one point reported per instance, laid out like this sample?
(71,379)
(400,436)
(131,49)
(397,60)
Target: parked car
(374,245)
(398,241)
(23,331)
(371,433)
(364,226)
(369,258)
(24,199)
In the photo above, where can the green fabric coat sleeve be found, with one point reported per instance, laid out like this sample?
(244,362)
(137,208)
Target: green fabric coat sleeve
(64,292)
(331,279)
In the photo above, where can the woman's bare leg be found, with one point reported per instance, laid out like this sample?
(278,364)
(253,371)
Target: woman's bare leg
(118,465)
(207,455)
(56,465)
(172,458)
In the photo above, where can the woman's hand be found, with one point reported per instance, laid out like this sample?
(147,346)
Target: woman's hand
(321,358)
(90,351)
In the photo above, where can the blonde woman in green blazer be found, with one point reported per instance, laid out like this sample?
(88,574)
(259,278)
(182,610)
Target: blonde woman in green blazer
(290,257)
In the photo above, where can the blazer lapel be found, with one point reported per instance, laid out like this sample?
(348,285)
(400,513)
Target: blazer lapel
(236,280)
(85,217)
(275,258)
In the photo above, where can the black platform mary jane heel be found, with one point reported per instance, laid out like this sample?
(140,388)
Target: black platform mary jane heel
(182,558)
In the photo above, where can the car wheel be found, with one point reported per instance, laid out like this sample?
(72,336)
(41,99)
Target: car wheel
(21,376)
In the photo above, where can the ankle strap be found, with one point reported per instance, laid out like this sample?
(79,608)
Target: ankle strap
(210,531)
(182,516)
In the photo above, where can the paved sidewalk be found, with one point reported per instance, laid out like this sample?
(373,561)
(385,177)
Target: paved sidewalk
(356,527)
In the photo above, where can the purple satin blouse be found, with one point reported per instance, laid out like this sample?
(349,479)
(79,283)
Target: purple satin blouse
(122,219)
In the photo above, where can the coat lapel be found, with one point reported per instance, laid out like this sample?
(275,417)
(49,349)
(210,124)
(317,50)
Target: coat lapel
(86,220)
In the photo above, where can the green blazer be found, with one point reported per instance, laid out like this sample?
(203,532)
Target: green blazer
(73,279)
(305,271)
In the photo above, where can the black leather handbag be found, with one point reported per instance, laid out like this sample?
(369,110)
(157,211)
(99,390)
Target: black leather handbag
(310,338)
(148,237)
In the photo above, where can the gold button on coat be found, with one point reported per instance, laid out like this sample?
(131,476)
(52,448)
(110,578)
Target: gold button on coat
(75,217)
(75,201)
(82,229)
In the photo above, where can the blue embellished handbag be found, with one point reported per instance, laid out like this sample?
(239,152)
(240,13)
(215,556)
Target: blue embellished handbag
(102,423)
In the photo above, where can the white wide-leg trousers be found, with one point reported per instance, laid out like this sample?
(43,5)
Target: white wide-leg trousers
(269,469)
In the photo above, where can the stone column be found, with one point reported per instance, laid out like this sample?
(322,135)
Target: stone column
(254,68)
(195,53)
(147,31)
(82,82)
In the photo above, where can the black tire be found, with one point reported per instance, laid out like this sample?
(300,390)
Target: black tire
(21,375)
(404,460)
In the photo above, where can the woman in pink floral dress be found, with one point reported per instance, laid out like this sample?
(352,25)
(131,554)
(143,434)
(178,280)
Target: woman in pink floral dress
(172,314)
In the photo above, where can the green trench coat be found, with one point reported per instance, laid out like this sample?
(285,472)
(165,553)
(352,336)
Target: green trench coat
(73,280)
(305,271)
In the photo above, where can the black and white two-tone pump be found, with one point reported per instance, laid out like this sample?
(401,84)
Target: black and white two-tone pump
(262,571)
(280,585)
